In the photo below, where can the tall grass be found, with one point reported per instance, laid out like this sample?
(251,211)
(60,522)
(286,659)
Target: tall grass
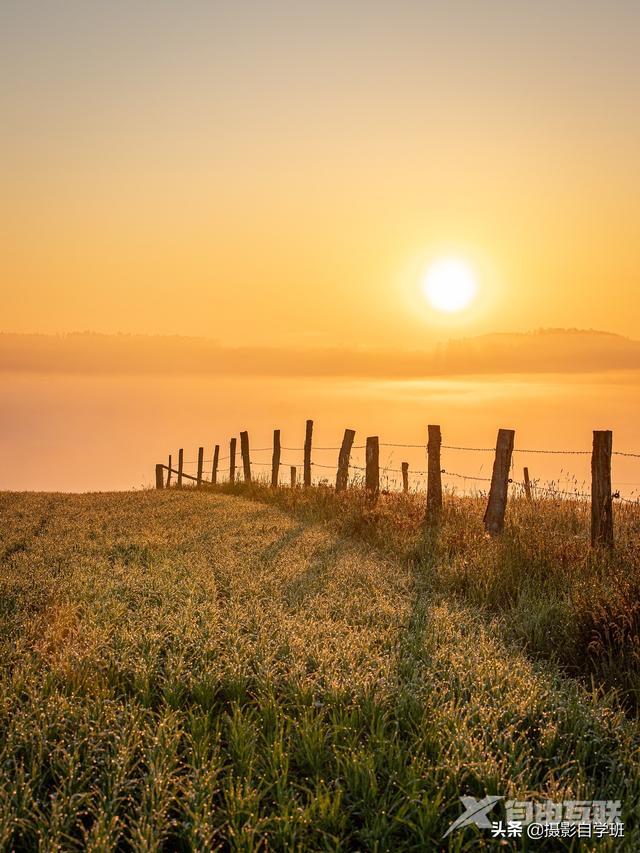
(193,671)
(541,581)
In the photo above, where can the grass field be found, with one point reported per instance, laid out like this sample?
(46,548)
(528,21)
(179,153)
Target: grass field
(249,670)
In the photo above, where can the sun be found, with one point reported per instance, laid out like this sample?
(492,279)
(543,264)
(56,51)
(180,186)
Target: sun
(449,285)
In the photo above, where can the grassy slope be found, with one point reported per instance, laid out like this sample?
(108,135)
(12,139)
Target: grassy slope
(191,669)
(553,594)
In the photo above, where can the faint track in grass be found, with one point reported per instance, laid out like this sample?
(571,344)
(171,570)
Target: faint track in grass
(272,681)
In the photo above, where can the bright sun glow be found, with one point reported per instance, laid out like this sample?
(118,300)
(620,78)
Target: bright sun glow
(449,285)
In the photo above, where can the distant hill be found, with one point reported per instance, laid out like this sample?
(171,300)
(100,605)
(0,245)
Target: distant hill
(540,351)
(544,351)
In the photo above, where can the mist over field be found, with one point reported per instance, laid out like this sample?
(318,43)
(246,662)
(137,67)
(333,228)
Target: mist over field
(542,351)
(90,412)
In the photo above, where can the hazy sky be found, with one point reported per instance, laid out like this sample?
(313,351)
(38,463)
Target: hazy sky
(279,172)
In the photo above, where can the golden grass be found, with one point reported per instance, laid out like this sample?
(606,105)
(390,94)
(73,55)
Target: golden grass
(192,670)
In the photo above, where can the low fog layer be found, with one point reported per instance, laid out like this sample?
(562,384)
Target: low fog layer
(545,351)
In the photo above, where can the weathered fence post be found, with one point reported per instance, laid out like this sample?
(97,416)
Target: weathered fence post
(342,477)
(293,476)
(169,472)
(180,467)
(405,477)
(200,466)
(214,467)
(601,501)
(246,462)
(497,504)
(372,471)
(527,484)
(275,460)
(434,472)
(159,475)
(232,460)
(307,453)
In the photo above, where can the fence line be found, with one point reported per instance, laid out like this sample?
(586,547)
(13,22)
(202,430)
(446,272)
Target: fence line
(387,469)
(601,495)
(444,447)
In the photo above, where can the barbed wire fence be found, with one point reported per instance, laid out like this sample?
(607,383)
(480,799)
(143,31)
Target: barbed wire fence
(385,478)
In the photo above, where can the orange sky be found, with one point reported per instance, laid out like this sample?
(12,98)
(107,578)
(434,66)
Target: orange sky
(275,176)
(280,173)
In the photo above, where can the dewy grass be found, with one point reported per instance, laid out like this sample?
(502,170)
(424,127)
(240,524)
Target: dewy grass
(541,580)
(194,670)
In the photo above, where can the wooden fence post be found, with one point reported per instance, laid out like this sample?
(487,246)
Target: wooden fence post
(527,484)
(405,477)
(232,460)
(372,471)
(246,462)
(275,460)
(342,477)
(214,467)
(434,472)
(293,476)
(601,501)
(497,504)
(159,475)
(307,453)
(180,467)
(200,466)
(169,472)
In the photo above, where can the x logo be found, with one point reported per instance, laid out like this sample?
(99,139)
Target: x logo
(476,813)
